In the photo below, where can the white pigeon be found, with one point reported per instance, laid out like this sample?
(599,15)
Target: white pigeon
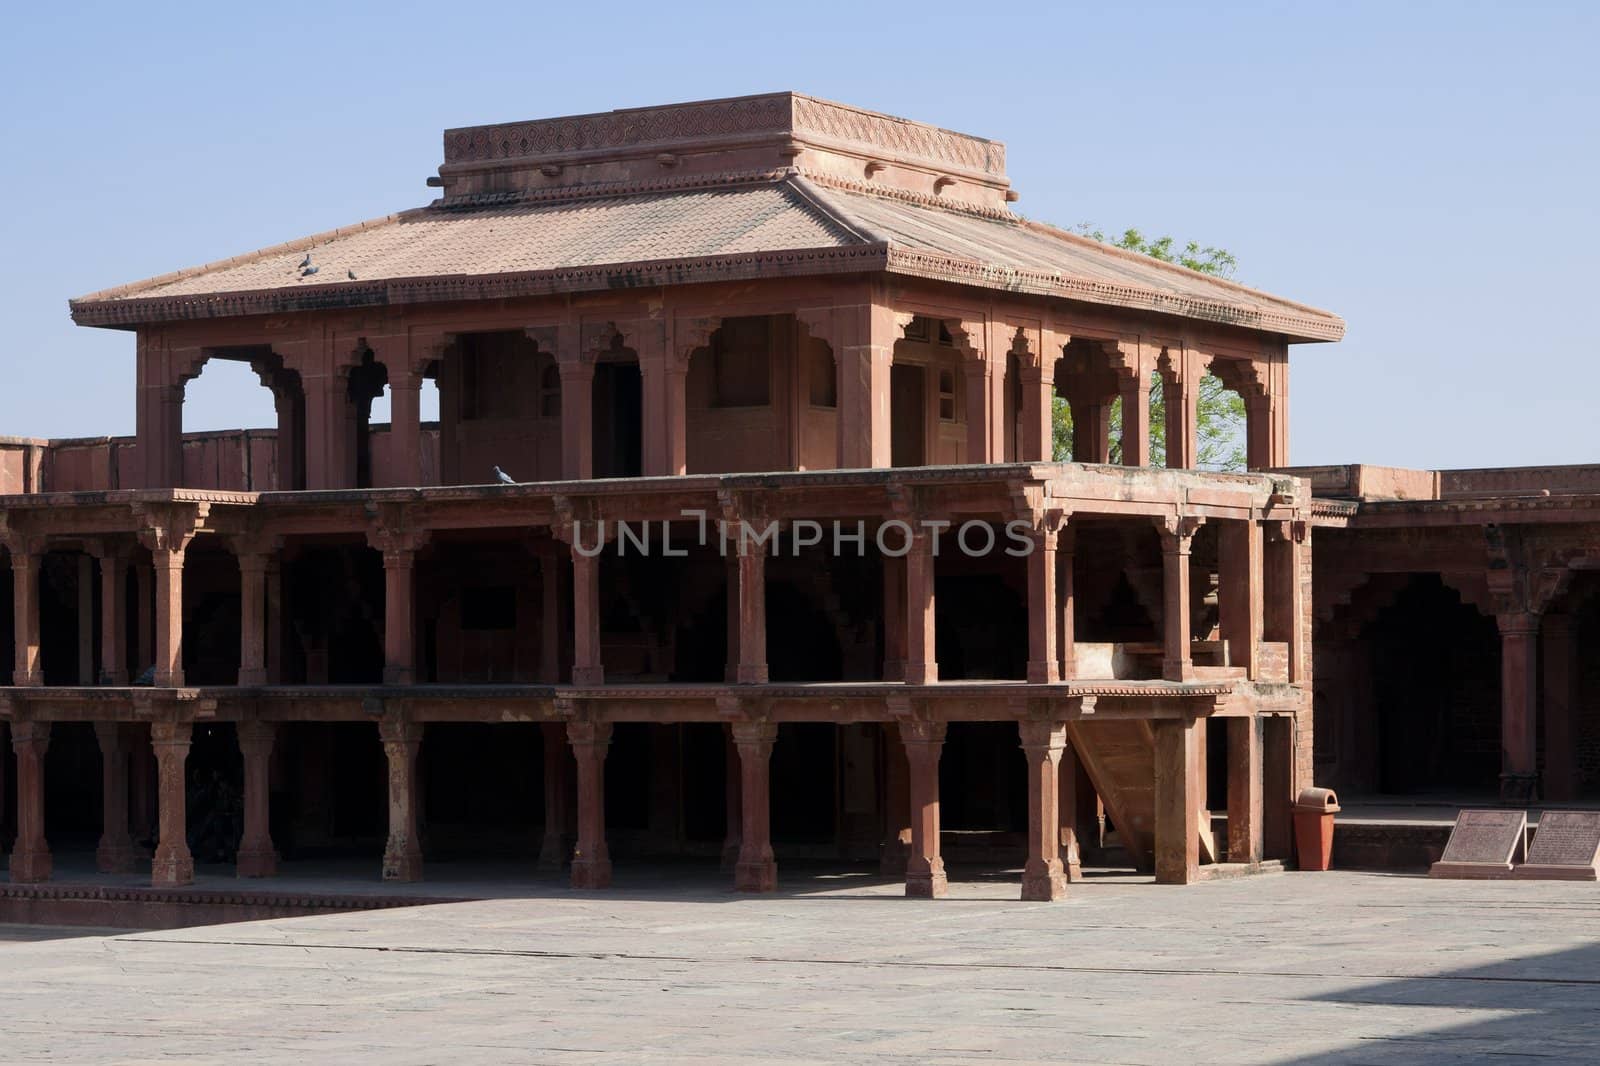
(503,477)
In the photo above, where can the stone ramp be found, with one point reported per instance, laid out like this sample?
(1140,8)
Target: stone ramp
(1119,756)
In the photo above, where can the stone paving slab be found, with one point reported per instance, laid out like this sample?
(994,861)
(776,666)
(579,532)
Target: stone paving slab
(1336,967)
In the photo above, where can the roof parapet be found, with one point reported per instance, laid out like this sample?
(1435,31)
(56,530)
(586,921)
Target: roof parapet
(739,134)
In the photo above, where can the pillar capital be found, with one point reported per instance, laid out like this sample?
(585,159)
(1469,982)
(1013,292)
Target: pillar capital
(1042,735)
(588,734)
(1177,532)
(754,735)
(254,550)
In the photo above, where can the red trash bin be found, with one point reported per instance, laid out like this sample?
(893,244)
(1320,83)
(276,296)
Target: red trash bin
(1313,827)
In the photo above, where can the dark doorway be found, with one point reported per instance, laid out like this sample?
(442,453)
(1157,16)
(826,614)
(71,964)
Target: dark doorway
(1436,692)
(618,415)
(907,415)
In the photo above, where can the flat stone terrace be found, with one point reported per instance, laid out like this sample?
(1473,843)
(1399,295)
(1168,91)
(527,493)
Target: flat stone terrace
(1327,968)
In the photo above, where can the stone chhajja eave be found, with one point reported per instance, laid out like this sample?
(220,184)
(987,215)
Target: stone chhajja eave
(1002,492)
(1085,699)
(1523,510)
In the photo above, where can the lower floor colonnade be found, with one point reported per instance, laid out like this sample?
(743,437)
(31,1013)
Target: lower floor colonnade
(728,786)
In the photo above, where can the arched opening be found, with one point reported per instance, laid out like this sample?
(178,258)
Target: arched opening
(927,397)
(618,413)
(367,380)
(1436,692)
(225,408)
(497,400)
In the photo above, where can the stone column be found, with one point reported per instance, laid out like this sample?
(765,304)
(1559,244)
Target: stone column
(756,870)
(115,853)
(861,337)
(173,865)
(981,431)
(1177,794)
(399,548)
(113,617)
(733,800)
(144,609)
(550,581)
(1562,666)
(557,782)
(1043,877)
(405,427)
(925,877)
(402,855)
(1176,534)
(257,857)
(1044,663)
(1134,390)
(168,563)
(1038,415)
(1071,780)
(1246,783)
(30,855)
(85,590)
(894,618)
(26,556)
(586,664)
(1066,611)
(274,620)
(591,861)
(1182,395)
(252,617)
(1240,592)
(752,667)
(922,665)
(896,847)
(1091,427)
(1519,772)
(577,419)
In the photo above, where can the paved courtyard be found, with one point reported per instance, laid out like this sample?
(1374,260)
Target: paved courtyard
(1338,967)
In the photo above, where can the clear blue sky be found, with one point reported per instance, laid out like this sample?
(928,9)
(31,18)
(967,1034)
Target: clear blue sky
(1427,170)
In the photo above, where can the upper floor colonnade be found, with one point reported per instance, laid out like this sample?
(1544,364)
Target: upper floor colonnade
(828,381)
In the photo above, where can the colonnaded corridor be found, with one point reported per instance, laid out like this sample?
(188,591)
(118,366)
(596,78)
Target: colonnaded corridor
(1328,968)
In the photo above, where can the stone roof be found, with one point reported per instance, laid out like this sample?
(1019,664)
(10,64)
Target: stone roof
(774,186)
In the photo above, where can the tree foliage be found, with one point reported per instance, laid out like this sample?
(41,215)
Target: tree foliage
(1221,414)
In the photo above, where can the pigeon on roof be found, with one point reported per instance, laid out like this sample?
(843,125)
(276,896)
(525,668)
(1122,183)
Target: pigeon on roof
(503,477)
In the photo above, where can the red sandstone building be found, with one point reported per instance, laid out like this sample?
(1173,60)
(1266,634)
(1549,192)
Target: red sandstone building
(756,316)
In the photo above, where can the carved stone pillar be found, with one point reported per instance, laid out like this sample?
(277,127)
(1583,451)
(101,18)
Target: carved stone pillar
(30,855)
(1180,381)
(172,865)
(167,538)
(577,419)
(1044,663)
(752,666)
(399,548)
(1241,592)
(757,870)
(1562,670)
(1176,536)
(116,852)
(1066,608)
(85,619)
(922,665)
(553,849)
(862,338)
(894,618)
(26,554)
(402,855)
(257,857)
(923,741)
(113,617)
(1134,390)
(591,860)
(405,427)
(733,801)
(1177,794)
(1246,784)
(1519,773)
(1043,877)
(253,558)
(1038,414)
(586,662)
(896,847)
